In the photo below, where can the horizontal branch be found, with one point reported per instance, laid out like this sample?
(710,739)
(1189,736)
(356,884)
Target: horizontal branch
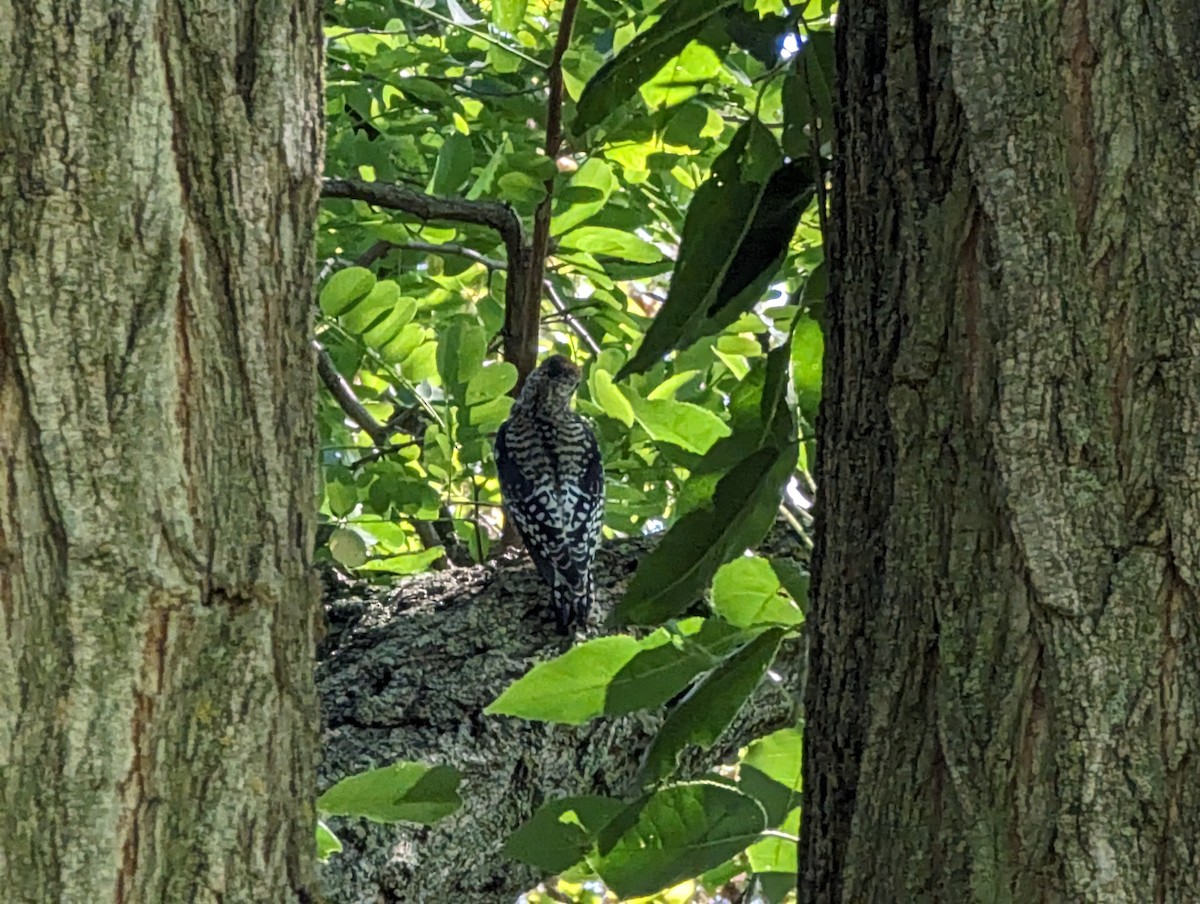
(491,214)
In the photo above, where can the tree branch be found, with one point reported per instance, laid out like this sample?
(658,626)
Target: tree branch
(405,673)
(344,395)
(521,321)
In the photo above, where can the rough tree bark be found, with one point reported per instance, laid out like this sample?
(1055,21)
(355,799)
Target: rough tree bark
(404,674)
(158,186)
(1004,693)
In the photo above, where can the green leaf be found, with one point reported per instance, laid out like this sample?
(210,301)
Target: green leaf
(595,175)
(643,57)
(406,563)
(606,394)
(718,219)
(747,592)
(461,352)
(793,577)
(654,676)
(507,15)
(387,329)
(491,382)
(608,242)
(327,842)
(706,712)
(675,575)
(680,423)
(345,288)
(347,547)
(401,792)
(773,860)
(453,166)
(571,688)
(770,772)
(561,832)
(674,833)
(372,310)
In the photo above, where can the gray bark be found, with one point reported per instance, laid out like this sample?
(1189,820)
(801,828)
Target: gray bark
(405,675)
(1004,695)
(159,170)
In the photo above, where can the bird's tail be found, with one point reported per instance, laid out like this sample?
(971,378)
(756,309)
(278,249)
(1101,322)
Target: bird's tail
(572,603)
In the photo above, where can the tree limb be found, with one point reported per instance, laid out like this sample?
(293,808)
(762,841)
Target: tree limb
(405,674)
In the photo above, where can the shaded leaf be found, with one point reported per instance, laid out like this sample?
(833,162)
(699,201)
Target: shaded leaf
(561,832)
(654,676)
(675,575)
(706,712)
(674,833)
(770,772)
(347,547)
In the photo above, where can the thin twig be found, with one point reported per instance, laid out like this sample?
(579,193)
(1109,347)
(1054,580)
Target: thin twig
(383,247)
(579,328)
(521,321)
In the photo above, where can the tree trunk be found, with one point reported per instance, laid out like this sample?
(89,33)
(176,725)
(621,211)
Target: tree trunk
(1004,693)
(158,190)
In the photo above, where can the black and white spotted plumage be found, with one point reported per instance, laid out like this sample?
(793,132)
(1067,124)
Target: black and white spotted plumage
(552,482)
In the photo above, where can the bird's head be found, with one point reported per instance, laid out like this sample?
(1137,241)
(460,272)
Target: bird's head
(551,385)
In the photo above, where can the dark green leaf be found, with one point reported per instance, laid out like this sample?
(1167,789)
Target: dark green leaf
(453,166)
(674,833)
(706,712)
(720,215)
(675,575)
(561,832)
(401,792)
(654,676)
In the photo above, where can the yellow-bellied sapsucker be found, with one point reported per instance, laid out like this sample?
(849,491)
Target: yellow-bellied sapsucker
(552,482)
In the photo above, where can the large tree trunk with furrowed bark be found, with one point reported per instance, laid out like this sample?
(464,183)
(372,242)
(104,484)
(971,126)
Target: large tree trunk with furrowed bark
(1004,692)
(158,188)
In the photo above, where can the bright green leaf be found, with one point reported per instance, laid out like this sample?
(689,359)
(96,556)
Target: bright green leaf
(491,382)
(401,792)
(609,397)
(680,423)
(327,842)
(607,242)
(746,592)
(345,288)
(645,55)
(406,563)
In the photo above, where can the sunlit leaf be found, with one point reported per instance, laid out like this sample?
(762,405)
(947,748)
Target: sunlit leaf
(401,792)
(618,79)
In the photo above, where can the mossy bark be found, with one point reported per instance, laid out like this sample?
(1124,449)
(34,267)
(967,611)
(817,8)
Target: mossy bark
(159,168)
(1004,692)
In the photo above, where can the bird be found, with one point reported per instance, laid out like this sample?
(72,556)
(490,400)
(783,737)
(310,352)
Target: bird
(552,483)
